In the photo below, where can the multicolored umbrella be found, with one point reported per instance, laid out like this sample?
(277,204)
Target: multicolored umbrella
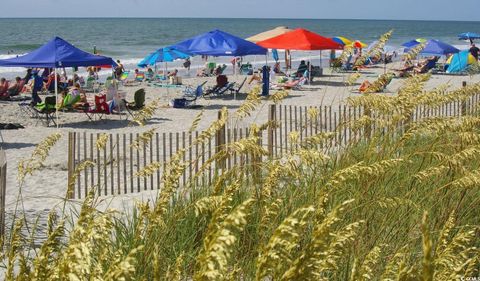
(162,55)
(342,40)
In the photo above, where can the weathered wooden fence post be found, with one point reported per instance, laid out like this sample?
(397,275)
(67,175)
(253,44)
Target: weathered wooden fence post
(272,123)
(464,102)
(71,165)
(220,142)
(3,191)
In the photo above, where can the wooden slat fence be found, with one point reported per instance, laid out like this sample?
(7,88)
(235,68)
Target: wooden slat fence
(118,162)
(3,189)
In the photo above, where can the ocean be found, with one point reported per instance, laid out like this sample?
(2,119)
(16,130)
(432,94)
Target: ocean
(130,39)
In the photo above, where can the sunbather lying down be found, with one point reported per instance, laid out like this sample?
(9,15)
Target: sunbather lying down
(425,65)
(378,85)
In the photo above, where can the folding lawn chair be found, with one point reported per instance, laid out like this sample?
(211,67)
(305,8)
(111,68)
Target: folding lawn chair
(47,109)
(99,109)
(188,100)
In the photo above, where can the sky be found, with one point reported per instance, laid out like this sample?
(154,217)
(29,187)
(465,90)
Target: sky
(460,10)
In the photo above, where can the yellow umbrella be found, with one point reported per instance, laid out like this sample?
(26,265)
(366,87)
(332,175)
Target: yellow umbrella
(269,34)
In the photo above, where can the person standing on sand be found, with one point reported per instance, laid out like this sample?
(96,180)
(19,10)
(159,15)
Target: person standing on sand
(37,86)
(119,70)
(474,51)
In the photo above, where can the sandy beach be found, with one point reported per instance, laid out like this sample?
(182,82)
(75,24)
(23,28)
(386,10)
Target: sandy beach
(47,187)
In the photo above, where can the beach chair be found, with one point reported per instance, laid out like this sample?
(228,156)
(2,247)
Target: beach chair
(188,100)
(291,85)
(139,100)
(427,66)
(236,90)
(246,69)
(124,76)
(47,109)
(140,77)
(68,101)
(149,76)
(221,80)
(99,109)
(191,92)
(90,85)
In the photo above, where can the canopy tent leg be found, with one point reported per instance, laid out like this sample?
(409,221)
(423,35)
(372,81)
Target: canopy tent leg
(56,95)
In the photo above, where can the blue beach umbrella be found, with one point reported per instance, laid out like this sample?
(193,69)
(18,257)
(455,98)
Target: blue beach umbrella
(166,54)
(469,36)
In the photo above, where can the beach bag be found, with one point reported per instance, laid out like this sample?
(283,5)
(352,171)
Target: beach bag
(179,103)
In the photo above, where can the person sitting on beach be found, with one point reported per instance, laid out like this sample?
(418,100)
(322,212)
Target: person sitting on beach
(50,84)
(92,72)
(301,69)
(277,69)
(187,64)
(425,65)
(150,74)
(407,66)
(16,88)
(46,72)
(4,88)
(173,73)
(219,69)
(203,72)
(80,98)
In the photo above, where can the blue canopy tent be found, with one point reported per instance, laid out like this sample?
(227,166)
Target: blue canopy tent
(432,47)
(57,53)
(436,47)
(218,43)
(469,36)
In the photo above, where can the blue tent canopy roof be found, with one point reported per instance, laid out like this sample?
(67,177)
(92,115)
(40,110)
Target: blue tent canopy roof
(57,53)
(436,47)
(433,47)
(166,54)
(219,43)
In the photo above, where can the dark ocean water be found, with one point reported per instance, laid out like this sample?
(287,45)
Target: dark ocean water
(131,39)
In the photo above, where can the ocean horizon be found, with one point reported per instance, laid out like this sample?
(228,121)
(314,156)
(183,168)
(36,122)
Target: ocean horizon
(131,39)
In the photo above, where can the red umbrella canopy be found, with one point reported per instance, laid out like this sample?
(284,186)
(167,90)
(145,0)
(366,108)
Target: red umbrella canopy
(300,39)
